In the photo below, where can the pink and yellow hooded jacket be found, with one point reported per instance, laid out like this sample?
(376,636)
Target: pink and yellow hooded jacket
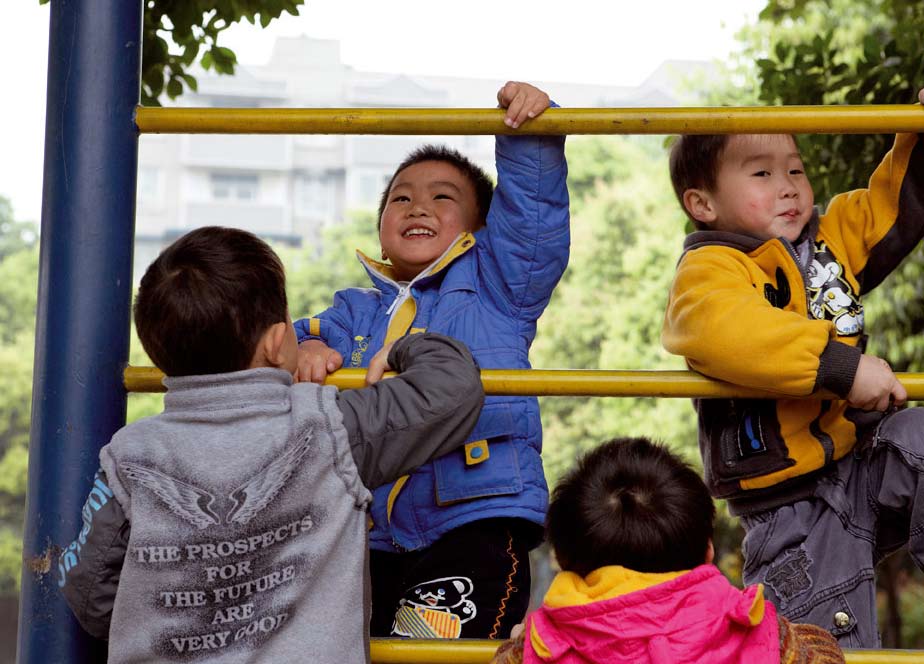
(616,615)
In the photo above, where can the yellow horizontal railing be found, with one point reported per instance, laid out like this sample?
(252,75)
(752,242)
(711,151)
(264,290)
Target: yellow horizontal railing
(872,119)
(565,382)
(465,651)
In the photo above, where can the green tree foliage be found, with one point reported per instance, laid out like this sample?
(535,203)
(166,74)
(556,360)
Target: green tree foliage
(627,233)
(856,52)
(178,33)
(18,287)
(314,274)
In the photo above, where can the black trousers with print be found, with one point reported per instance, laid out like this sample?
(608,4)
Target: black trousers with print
(471,583)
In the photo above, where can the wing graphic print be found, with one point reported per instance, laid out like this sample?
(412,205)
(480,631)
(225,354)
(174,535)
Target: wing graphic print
(257,492)
(188,502)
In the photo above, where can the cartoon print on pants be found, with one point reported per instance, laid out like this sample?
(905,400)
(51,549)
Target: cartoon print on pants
(435,609)
(830,296)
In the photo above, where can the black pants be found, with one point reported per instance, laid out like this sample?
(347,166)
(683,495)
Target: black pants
(471,583)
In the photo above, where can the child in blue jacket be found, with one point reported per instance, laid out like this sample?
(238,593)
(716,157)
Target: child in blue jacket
(450,542)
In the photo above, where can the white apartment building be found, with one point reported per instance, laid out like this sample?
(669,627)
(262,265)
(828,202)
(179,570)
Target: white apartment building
(288,187)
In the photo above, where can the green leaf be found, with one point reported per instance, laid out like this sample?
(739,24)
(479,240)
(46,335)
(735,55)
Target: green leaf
(190,81)
(174,88)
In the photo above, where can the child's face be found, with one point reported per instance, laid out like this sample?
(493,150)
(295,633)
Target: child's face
(429,204)
(761,189)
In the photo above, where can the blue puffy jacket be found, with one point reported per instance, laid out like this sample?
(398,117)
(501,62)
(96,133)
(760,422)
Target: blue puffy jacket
(487,290)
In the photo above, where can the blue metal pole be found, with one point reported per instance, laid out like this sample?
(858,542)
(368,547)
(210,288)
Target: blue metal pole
(84,300)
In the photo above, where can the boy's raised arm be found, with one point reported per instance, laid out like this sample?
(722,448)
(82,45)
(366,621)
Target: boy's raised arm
(881,224)
(427,410)
(525,245)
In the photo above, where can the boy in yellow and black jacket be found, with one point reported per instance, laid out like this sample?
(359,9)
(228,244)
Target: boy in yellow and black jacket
(767,295)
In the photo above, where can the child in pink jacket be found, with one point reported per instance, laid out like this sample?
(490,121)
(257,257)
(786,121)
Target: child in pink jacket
(631,527)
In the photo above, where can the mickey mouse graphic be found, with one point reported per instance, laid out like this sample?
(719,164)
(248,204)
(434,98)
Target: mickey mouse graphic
(830,296)
(435,609)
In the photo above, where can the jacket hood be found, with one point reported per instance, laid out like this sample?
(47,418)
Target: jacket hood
(696,616)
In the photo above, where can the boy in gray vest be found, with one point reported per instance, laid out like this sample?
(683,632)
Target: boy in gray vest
(232,527)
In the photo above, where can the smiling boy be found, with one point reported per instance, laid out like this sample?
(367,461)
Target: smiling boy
(478,265)
(767,295)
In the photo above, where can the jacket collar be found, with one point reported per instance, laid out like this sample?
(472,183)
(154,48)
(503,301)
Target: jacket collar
(383,274)
(238,393)
(742,242)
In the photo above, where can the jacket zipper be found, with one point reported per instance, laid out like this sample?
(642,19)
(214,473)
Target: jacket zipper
(795,259)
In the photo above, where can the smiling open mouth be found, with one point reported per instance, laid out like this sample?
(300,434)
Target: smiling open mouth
(418,232)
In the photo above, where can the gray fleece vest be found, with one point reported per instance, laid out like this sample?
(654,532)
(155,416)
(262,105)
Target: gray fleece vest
(248,526)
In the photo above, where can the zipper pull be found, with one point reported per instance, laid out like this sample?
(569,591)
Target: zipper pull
(399,298)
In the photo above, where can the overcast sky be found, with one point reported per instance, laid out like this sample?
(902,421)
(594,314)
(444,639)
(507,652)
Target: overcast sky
(586,41)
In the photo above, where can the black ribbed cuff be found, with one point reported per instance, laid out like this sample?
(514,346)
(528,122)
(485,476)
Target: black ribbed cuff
(837,367)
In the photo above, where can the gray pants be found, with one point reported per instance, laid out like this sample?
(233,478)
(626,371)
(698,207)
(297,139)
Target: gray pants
(816,557)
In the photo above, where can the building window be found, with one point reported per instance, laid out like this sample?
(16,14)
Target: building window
(315,196)
(226,186)
(369,186)
(149,194)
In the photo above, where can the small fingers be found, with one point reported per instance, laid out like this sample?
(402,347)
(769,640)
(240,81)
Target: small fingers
(883,403)
(378,365)
(334,361)
(319,370)
(507,92)
(306,370)
(374,373)
(538,103)
(522,101)
(899,394)
(516,110)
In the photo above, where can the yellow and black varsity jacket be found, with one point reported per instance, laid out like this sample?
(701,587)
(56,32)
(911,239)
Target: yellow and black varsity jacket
(787,317)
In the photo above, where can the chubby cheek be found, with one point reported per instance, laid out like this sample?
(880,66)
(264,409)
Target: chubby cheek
(808,196)
(760,203)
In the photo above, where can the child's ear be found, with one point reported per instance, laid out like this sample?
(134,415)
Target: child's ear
(270,348)
(699,205)
(710,553)
(384,255)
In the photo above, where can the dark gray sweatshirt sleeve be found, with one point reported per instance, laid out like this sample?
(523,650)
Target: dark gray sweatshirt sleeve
(89,568)
(429,409)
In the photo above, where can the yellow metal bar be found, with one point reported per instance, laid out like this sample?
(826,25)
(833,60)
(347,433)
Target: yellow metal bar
(872,119)
(882,656)
(425,651)
(564,382)
(472,651)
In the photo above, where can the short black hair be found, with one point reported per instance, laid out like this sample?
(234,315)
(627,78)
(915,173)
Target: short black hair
(484,188)
(694,164)
(207,299)
(633,503)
